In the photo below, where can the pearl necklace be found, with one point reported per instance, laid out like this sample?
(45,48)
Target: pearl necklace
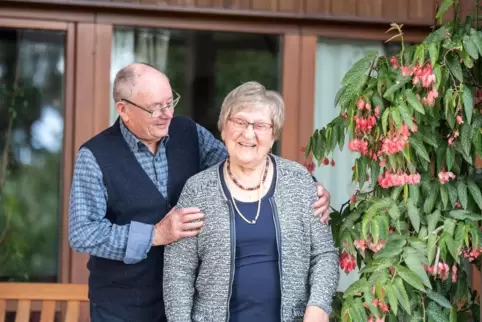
(260,195)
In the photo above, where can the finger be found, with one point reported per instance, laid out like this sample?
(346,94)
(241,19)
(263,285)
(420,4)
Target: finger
(194,225)
(187,211)
(192,217)
(318,203)
(325,218)
(318,212)
(190,233)
(320,189)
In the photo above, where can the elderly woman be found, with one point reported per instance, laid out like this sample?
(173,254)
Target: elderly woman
(262,255)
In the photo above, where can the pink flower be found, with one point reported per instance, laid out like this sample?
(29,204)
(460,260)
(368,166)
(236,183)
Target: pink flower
(347,261)
(358,145)
(360,244)
(459,119)
(444,177)
(360,104)
(377,111)
(454,274)
(430,99)
(394,179)
(310,166)
(394,62)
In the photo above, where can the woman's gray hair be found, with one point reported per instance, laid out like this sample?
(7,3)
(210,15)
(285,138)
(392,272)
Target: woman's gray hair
(253,95)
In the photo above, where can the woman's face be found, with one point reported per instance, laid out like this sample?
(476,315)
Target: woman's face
(248,136)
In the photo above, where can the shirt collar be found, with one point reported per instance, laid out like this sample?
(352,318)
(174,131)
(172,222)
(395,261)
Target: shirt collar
(132,141)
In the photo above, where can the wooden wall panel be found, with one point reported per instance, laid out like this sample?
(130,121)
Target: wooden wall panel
(344,7)
(416,12)
(317,6)
(370,8)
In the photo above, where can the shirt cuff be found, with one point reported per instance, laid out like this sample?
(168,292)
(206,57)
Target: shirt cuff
(139,242)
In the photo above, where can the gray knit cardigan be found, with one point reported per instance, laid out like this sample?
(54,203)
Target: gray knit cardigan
(198,271)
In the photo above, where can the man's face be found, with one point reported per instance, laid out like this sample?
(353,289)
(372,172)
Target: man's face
(151,93)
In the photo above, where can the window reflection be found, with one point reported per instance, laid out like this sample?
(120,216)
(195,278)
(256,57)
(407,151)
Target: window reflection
(203,66)
(32,90)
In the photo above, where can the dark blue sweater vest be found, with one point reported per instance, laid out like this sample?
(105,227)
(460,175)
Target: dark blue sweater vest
(134,291)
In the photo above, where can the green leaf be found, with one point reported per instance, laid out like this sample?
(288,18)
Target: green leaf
(452,248)
(394,212)
(470,47)
(357,287)
(475,192)
(468,100)
(414,265)
(444,195)
(402,295)
(449,226)
(362,170)
(414,193)
(419,148)
(449,115)
(379,265)
(399,83)
(414,102)
(359,68)
(434,312)
(433,50)
(477,39)
(414,215)
(349,221)
(454,66)
(419,55)
(452,194)
(352,91)
(462,193)
(431,247)
(439,298)
(406,115)
(443,8)
(396,117)
(433,220)
(450,157)
(410,277)
(391,249)
(385,115)
(464,214)
(392,298)
(432,198)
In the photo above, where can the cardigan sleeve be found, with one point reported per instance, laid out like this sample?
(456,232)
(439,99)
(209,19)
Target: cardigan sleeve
(324,272)
(180,265)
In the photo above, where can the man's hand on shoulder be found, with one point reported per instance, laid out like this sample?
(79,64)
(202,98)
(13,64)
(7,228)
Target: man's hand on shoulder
(315,314)
(177,224)
(322,205)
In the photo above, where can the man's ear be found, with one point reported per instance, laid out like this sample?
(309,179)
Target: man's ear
(121,108)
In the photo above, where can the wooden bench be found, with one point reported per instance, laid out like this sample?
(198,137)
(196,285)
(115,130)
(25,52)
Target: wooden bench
(48,294)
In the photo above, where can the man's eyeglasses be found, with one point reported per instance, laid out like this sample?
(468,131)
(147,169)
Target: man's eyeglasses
(159,110)
(258,127)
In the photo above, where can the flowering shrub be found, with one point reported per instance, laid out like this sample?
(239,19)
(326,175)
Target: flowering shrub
(412,227)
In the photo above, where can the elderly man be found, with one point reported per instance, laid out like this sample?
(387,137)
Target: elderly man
(126,182)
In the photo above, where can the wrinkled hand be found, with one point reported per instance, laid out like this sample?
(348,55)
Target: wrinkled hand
(177,224)
(322,205)
(315,314)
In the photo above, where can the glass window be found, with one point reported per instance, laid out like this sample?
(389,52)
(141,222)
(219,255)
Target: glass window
(31,139)
(203,66)
(334,57)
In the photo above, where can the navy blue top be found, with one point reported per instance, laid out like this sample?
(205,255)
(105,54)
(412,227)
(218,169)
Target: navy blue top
(256,294)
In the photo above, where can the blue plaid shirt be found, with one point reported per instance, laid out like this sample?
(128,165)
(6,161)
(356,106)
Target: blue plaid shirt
(89,230)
